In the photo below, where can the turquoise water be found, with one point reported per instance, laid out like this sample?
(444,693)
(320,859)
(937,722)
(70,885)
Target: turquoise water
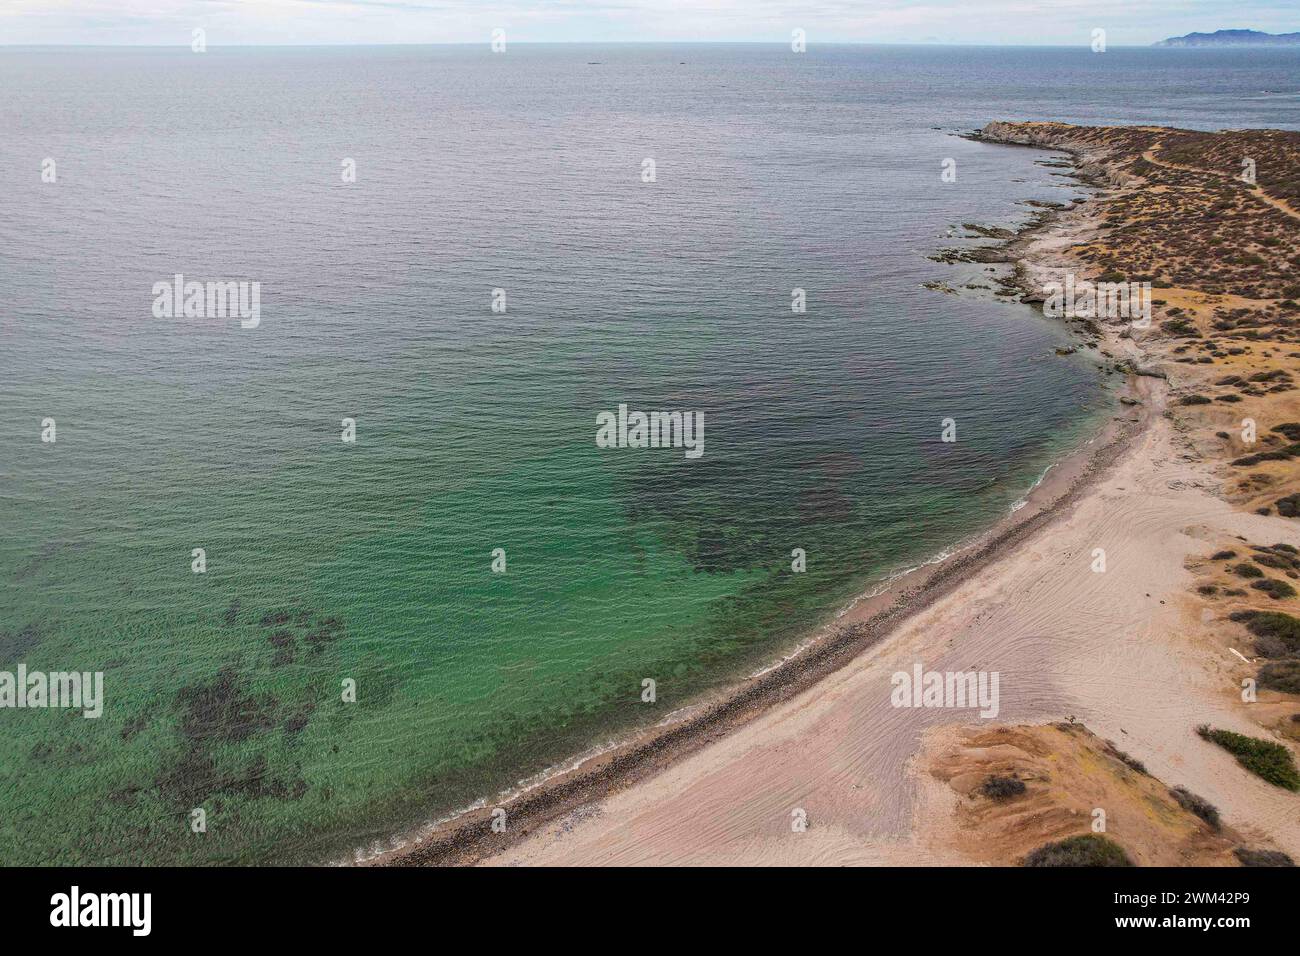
(372,562)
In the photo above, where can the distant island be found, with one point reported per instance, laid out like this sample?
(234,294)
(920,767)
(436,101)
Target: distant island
(1233,38)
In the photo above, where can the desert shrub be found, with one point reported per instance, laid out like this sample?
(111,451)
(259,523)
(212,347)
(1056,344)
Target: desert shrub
(1247,570)
(1131,762)
(1089,849)
(1288,507)
(1279,562)
(1283,675)
(1002,788)
(1193,400)
(1274,624)
(1246,461)
(1274,589)
(1179,327)
(1262,857)
(1223,555)
(1197,805)
(1268,760)
(1269,646)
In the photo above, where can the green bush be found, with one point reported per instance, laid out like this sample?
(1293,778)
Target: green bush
(1268,760)
(1247,570)
(1002,788)
(1262,857)
(1281,675)
(1275,624)
(1179,327)
(1274,589)
(1278,562)
(1270,647)
(1090,849)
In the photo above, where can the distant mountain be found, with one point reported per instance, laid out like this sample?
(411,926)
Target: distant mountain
(1233,38)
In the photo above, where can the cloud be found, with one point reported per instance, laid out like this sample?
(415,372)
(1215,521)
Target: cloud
(169,22)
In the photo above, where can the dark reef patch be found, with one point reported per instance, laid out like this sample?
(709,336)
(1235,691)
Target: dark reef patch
(134,726)
(14,645)
(221,712)
(215,714)
(44,556)
(314,631)
(195,778)
(224,712)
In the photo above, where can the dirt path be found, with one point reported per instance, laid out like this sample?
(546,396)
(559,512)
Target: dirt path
(1255,189)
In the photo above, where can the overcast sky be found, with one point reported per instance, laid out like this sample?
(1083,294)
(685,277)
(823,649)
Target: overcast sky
(170,22)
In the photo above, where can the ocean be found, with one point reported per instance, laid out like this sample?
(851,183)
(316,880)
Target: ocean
(467,256)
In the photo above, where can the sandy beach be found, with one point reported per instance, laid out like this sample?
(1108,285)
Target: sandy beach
(1105,674)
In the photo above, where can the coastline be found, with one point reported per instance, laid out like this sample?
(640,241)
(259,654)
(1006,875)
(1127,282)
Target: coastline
(1110,604)
(467,837)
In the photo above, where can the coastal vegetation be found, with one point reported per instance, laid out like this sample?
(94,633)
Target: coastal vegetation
(1088,849)
(1274,589)
(1212,219)
(997,787)
(1267,760)
(1250,857)
(1283,676)
(1197,805)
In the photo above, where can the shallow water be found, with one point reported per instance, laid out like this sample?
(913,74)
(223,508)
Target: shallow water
(371,561)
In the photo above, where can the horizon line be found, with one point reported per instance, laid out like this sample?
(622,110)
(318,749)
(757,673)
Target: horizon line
(629,43)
